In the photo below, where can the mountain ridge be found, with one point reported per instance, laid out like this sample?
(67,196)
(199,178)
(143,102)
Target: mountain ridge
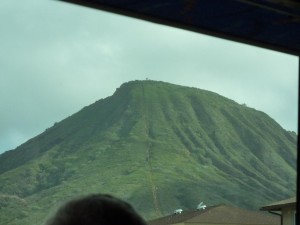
(159,146)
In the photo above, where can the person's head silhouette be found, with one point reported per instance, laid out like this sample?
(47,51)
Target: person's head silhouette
(96,209)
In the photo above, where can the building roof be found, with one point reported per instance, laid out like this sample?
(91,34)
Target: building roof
(221,214)
(270,24)
(278,206)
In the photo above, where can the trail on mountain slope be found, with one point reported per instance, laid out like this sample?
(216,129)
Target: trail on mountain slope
(148,157)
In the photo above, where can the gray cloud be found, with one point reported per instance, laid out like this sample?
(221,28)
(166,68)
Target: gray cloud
(57,58)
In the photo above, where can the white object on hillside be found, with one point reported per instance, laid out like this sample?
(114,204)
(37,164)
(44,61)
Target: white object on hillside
(178,211)
(201,206)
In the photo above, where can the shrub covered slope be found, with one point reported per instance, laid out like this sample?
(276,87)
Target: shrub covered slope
(157,145)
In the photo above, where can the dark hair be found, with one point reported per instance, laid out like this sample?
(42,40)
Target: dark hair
(96,209)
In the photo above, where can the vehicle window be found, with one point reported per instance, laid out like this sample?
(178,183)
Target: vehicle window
(59,59)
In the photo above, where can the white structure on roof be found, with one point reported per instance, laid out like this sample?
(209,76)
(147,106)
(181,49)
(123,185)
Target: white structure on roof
(201,206)
(178,211)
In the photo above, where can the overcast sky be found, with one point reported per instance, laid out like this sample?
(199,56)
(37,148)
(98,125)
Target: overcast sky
(56,58)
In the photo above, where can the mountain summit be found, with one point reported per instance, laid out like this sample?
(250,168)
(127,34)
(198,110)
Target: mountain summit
(157,145)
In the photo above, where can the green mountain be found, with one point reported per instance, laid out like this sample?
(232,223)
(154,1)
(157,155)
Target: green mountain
(157,145)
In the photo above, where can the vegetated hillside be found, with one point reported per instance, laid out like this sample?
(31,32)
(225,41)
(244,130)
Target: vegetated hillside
(157,145)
